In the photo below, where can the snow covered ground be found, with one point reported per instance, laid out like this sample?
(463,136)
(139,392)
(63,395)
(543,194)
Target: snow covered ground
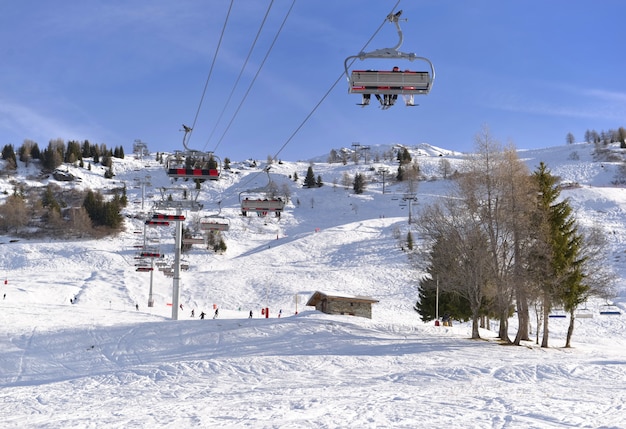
(101,363)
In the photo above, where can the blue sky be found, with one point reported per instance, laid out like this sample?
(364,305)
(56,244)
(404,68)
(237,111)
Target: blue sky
(114,71)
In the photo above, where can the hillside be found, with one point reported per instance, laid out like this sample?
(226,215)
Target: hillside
(101,363)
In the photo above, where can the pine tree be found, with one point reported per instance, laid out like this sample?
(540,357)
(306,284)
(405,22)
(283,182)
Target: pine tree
(359,184)
(404,157)
(556,253)
(309,180)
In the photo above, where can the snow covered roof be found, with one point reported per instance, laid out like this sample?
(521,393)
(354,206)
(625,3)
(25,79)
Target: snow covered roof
(319,296)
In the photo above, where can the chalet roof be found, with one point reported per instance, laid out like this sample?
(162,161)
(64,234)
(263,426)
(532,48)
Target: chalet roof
(320,296)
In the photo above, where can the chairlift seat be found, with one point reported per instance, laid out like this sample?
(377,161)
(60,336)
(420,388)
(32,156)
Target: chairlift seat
(214,226)
(193,173)
(390,82)
(193,240)
(261,206)
(610,312)
(584,314)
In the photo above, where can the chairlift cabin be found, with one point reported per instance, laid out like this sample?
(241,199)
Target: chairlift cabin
(262,206)
(193,240)
(557,314)
(192,164)
(392,82)
(584,313)
(215,224)
(610,310)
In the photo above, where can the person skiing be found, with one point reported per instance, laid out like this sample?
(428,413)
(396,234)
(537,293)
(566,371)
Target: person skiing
(192,312)
(216,312)
(202,315)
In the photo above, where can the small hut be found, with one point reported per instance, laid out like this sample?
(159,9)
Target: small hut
(341,304)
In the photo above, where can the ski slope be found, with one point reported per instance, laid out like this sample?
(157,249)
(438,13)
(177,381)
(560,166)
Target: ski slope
(99,362)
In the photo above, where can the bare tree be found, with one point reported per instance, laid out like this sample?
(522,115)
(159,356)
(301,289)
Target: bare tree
(14,213)
(285,190)
(346,180)
(459,253)
(445,168)
(80,222)
(482,187)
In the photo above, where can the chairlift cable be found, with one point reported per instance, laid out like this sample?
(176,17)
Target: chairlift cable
(255,77)
(330,89)
(219,43)
(243,67)
(341,76)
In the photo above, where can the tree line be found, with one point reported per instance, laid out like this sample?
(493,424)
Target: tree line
(58,152)
(53,210)
(504,241)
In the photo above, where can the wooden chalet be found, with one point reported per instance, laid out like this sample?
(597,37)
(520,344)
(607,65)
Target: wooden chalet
(340,304)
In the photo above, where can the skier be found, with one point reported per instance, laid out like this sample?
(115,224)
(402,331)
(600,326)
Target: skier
(216,312)
(192,313)
(202,315)
(250,316)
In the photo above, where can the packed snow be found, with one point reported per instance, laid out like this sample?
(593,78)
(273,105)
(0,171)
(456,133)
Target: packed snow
(99,362)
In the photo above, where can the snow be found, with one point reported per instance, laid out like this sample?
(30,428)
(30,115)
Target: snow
(101,363)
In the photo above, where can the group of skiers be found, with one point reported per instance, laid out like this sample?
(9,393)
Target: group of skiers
(203,314)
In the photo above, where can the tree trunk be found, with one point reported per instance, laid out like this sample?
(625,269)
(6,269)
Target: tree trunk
(523,319)
(475,332)
(570,329)
(546,316)
(503,331)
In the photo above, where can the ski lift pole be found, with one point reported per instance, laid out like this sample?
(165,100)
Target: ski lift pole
(437,300)
(150,297)
(176,280)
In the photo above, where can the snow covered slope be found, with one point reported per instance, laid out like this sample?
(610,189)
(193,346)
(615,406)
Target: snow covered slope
(101,363)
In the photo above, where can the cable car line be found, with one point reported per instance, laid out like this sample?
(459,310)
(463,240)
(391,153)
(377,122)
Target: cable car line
(243,67)
(255,77)
(217,48)
(330,89)
(341,76)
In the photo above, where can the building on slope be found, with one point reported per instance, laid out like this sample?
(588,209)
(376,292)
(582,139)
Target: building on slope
(340,304)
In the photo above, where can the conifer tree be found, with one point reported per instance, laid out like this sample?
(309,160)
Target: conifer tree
(556,254)
(309,180)
(359,184)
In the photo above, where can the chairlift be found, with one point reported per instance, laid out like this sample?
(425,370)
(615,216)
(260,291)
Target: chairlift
(558,314)
(193,240)
(253,201)
(262,206)
(584,313)
(387,85)
(193,164)
(215,223)
(610,310)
